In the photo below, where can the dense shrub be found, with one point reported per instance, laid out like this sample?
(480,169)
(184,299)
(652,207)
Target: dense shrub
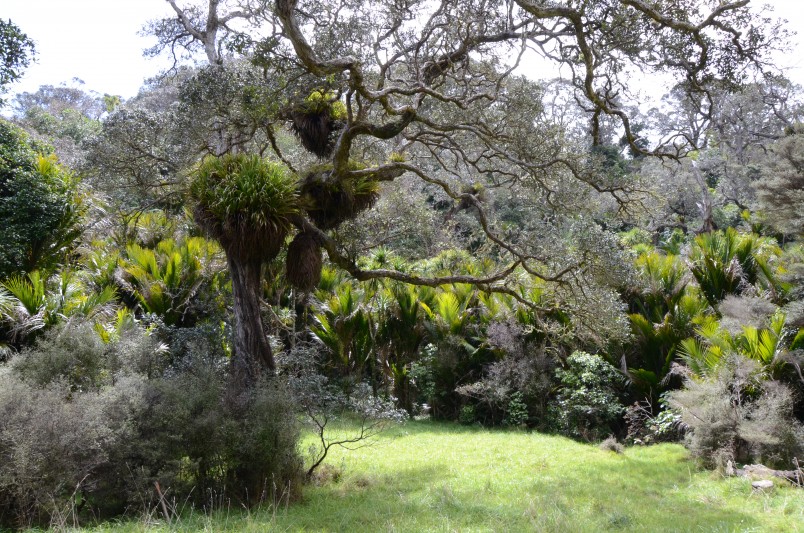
(735,414)
(55,444)
(648,427)
(515,389)
(89,428)
(40,206)
(199,436)
(588,405)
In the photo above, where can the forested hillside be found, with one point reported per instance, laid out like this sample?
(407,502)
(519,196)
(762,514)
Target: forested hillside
(384,210)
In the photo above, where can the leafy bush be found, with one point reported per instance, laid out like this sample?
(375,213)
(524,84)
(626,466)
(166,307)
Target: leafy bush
(588,405)
(467,415)
(56,444)
(199,436)
(76,356)
(517,412)
(735,414)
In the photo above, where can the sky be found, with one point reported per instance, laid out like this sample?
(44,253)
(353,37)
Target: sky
(97,41)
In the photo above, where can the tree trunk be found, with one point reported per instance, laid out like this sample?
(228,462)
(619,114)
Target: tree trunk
(252,352)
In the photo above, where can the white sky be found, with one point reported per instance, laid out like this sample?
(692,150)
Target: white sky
(93,40)
(97,42)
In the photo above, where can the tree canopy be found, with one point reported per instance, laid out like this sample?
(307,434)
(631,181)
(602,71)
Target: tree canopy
(384,91)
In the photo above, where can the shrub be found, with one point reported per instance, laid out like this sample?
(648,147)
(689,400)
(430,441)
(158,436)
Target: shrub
(55,444)
(199,436)
(517,412)
(587,406)
(467,415)
(99,424)
(514,390)
(72,355)
(611,445)
(734,414)
(646,428)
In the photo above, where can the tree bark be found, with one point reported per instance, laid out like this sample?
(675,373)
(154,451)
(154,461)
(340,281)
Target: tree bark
(252,352)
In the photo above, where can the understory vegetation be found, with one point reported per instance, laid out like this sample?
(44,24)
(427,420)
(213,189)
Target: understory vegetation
(212,291)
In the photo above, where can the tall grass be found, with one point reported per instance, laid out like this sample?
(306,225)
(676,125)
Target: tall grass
(433,477)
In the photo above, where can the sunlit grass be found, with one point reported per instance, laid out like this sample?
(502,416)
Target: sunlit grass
(433,477)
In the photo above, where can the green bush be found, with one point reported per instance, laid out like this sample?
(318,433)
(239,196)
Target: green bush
(467,415)
(517,412)
(587,406)
(56,444)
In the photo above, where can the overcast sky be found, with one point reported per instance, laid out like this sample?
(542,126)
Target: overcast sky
(97,42)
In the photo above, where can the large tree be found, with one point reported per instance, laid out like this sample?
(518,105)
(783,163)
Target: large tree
(378,89)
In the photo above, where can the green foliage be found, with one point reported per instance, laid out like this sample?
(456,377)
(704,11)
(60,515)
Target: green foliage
(72,355)
(67,123)
(244,201)
(345,328)
(101,422)
(32,303)
(667,307)
(467,415)
(178,282)
(323,101)
(671,242)
(726,262)
(704,353)
(587,406)
(517,412)
(40,205)
(258,192)
(16,53)
(636,238)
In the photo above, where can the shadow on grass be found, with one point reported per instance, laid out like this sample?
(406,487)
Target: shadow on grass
(577,488)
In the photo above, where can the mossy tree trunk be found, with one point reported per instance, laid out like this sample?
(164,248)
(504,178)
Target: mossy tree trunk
(252,351)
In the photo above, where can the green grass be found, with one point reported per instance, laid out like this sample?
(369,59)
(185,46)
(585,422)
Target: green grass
(434,477)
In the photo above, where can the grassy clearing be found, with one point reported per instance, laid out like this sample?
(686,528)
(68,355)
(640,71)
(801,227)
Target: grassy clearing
(433,477)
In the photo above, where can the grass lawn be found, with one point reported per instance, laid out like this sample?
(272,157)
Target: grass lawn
(436,477)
